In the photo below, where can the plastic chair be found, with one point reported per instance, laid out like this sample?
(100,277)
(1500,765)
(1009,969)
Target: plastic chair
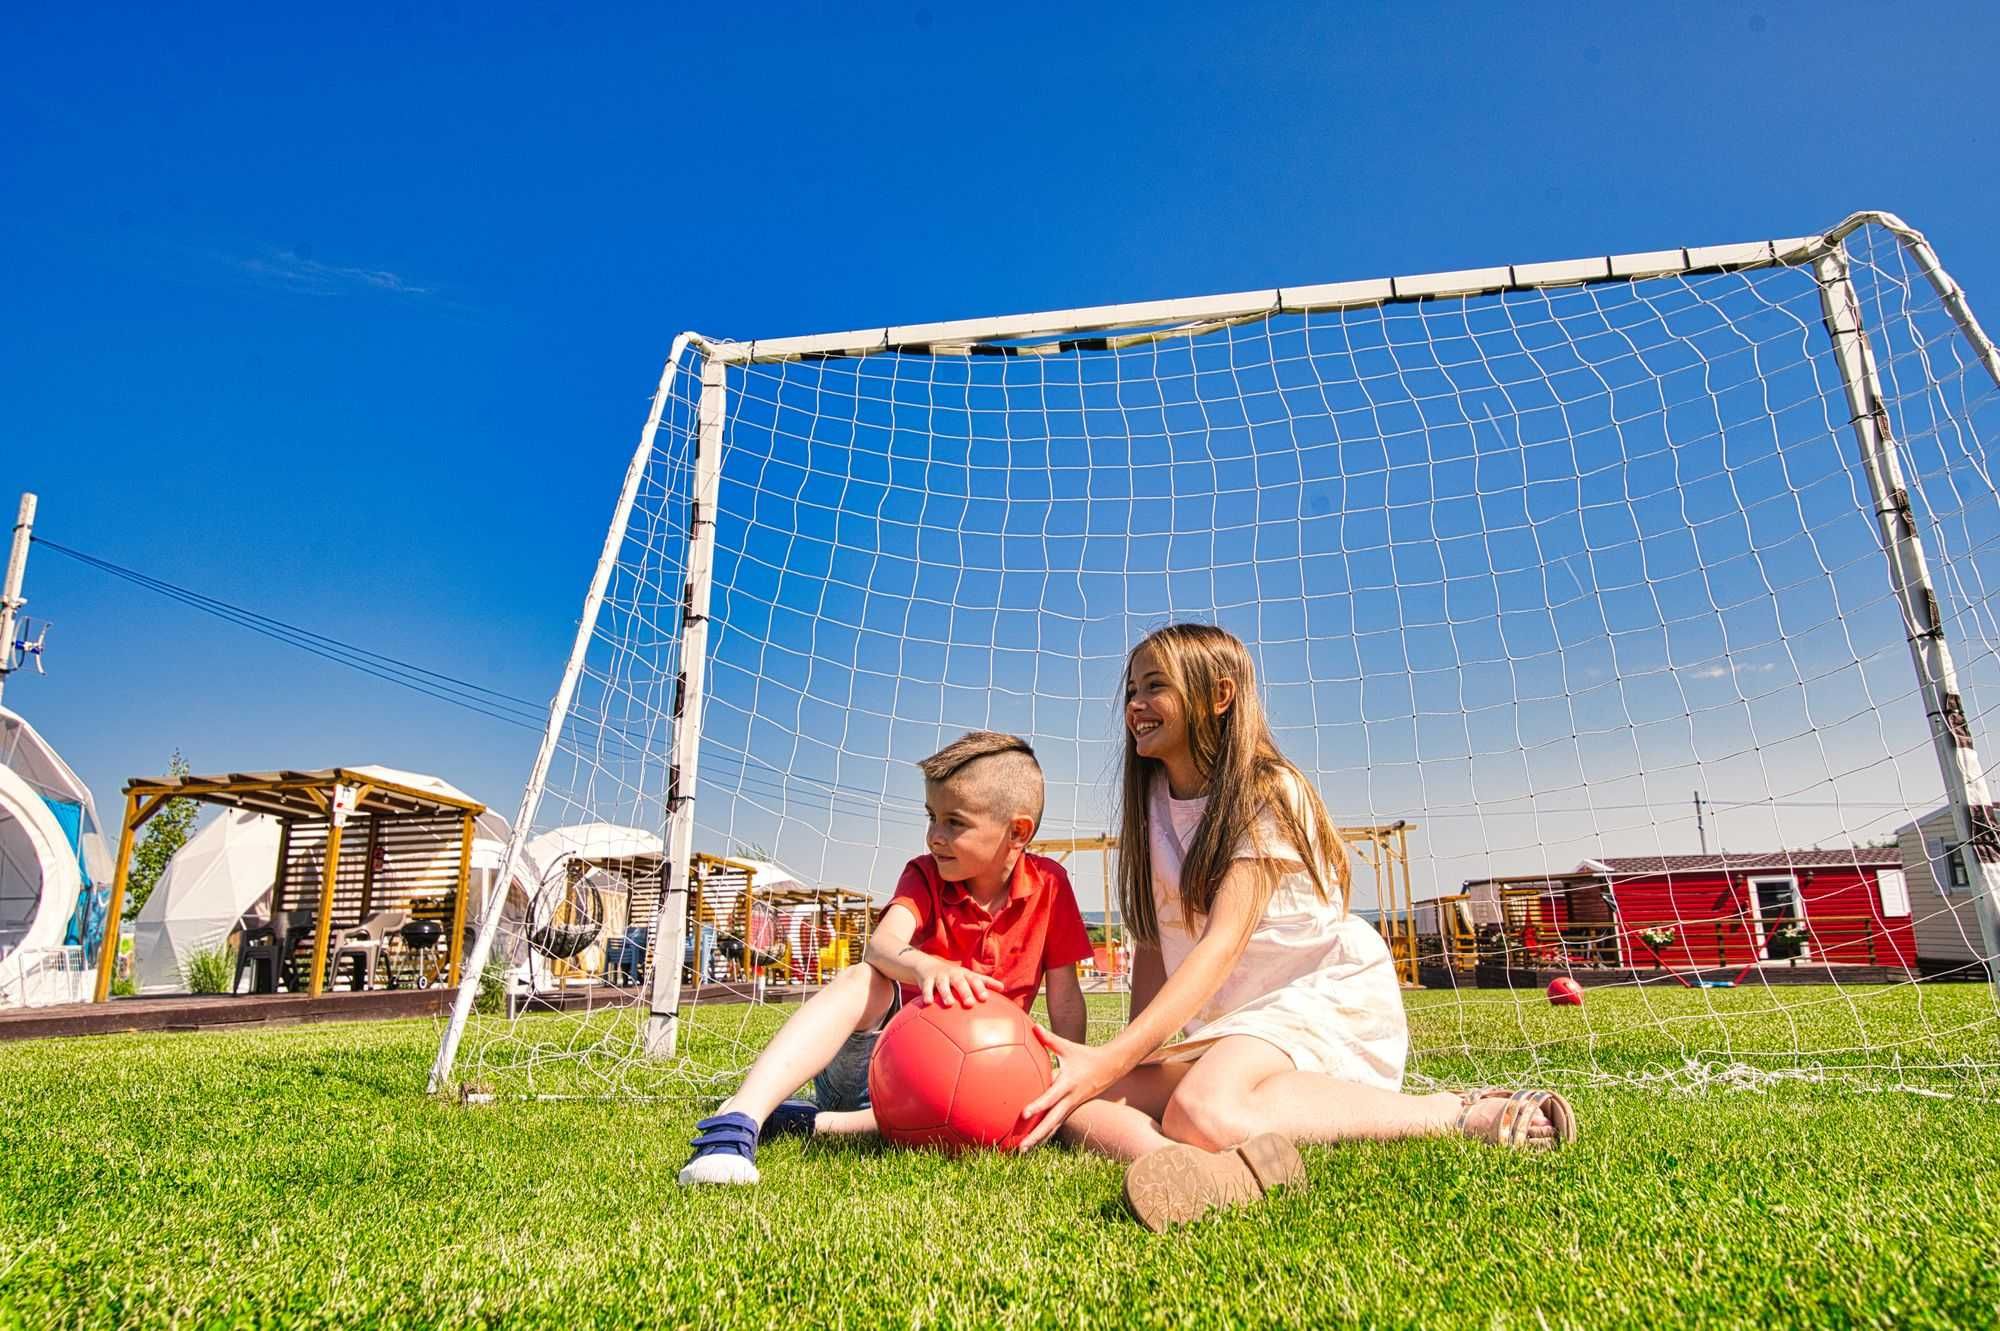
(625,958)
(261,952)
(362,945)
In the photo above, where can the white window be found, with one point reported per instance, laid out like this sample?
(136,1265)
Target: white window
(1948,867)
(1895,892)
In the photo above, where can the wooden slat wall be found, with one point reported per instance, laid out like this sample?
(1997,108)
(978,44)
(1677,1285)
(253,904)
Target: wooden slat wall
(416,868)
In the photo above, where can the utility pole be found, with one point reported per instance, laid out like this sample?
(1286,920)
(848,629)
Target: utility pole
(1699,829)
(11,599)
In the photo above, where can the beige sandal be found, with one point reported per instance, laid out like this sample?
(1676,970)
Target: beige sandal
(1517,1116)
(1176,1184)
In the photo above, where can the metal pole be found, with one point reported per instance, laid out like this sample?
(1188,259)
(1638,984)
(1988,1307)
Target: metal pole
(1700,828)
(1972,811)
(662,1021)
(11,599)
(538,775)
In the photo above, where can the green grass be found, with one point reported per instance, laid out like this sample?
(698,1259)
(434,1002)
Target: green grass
(297,1176)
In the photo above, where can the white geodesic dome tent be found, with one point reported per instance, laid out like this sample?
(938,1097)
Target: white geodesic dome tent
(50,851)
(223,871)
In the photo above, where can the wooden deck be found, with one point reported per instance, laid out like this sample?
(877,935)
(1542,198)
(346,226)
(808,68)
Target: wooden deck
(188,1012)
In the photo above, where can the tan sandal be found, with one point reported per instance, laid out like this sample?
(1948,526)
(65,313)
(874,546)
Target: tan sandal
(1517,1116)
(1176,1184)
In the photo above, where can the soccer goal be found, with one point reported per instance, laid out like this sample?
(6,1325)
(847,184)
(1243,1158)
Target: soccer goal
(1632,614)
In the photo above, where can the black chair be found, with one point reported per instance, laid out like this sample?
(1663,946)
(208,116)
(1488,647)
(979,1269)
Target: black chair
(295,954)
(258,953)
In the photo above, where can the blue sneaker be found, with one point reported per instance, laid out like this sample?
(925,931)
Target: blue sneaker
(793,1118)
(725,1151)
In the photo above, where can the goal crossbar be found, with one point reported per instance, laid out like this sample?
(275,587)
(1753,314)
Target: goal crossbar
(1015,333)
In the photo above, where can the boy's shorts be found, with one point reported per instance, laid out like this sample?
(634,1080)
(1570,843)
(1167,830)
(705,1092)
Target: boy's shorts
(843,1084)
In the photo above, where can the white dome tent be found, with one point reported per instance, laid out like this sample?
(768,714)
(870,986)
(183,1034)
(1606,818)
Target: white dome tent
(208,886)
(50,851)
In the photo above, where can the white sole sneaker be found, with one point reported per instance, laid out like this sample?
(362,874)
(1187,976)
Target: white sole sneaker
(719,1168)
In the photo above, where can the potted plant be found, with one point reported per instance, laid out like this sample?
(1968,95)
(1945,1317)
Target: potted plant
(1786,942)
(1657,940)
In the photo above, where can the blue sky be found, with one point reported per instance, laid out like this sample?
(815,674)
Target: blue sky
(352,318)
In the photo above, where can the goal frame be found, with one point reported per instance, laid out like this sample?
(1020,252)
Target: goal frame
(1112,327)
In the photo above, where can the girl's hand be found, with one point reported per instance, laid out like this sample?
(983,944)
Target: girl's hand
(1084,1073)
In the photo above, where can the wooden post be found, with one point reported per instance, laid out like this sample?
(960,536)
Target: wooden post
(368,867)
(323,929)
(107,956)
(458,911)
(750,957)
(698,889)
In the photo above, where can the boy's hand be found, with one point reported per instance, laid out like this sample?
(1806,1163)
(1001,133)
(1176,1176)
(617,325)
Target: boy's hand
(951,985)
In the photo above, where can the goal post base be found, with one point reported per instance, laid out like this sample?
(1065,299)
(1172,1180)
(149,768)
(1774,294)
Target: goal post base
(662,1035)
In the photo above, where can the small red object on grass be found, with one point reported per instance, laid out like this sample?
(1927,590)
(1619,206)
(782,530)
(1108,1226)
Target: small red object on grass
(956,1078)
(1565,992)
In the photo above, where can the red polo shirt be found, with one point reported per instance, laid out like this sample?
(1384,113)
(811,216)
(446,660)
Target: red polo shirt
(1035,929)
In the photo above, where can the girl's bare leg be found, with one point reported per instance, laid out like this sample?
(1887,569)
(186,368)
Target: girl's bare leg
(1243,1086)
(1124,1122)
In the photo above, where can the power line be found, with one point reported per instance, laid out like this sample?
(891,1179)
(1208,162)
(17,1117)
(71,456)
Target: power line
(526,714)
(490,702)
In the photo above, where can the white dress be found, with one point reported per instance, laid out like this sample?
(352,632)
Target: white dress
(1314,981)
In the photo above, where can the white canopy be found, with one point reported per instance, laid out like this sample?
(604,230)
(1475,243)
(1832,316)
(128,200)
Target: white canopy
(40,880)
(765,876)
(593,841)
(222,871)
(418,781)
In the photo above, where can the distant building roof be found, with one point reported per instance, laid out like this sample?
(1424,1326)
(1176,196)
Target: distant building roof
(1640,866)
(1849,857)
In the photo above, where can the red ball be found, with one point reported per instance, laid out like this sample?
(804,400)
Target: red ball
(1565,992)
(956,1078)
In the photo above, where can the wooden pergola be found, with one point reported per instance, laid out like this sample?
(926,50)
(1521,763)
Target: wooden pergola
(726,897)
(315,809)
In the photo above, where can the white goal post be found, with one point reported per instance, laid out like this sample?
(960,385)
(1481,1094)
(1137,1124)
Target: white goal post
(1395,463)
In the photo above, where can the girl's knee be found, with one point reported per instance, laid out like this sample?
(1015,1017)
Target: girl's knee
(1208,1119)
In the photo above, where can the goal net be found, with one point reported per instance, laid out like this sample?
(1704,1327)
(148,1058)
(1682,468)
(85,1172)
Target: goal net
(1632,615)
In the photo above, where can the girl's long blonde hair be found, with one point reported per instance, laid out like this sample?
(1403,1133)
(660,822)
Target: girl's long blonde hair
(1246,778)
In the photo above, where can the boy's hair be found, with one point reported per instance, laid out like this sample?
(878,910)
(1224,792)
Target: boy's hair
(1008,773)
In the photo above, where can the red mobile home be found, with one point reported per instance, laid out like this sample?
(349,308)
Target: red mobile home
(1822,906)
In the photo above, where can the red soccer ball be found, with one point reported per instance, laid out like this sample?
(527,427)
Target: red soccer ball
(956,1078)
(1565,992)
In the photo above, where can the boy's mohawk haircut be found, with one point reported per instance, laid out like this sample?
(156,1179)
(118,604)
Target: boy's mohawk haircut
(974,744)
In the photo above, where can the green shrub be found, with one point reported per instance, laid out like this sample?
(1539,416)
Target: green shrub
(123,987)
(210,970)
(492,995)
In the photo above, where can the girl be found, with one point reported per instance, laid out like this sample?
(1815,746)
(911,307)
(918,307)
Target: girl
(1234,886)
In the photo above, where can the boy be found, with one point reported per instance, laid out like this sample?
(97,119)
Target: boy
(977,915)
